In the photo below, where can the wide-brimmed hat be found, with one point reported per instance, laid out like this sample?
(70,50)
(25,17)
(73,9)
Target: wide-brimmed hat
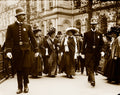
(112,31)
(36,28)
(72,29)
(35,31)
(51,31)
(93,21)
(20,11)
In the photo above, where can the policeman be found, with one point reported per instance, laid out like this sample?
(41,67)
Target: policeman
(92,45)
(18,43)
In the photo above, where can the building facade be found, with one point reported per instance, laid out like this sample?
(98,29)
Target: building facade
(59,14)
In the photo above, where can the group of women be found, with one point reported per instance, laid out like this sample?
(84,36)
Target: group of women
(56,52)
(61,52)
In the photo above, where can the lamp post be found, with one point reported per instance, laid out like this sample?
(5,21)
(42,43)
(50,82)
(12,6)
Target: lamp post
(28,11)
(77,4)
(89,10)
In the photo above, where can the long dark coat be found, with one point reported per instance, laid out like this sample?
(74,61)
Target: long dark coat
(52,56)
(21,53)
(112,69)
(36,69)
(92,54)
(68,62)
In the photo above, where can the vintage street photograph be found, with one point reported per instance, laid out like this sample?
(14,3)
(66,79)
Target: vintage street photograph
(59,47)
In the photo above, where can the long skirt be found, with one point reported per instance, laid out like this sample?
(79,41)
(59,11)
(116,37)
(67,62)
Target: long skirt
(37,66)
(68,64)
(52,64)
(112,70)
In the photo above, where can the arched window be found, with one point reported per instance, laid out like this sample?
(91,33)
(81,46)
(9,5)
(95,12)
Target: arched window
(66,24)
(78,25)
(50,4)
(42,5)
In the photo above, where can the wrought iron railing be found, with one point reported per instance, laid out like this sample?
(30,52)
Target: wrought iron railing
(5,67)
(1,66)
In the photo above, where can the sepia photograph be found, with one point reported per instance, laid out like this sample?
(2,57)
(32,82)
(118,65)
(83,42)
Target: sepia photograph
(59,47)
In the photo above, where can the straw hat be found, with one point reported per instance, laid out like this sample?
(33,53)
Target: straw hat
(72,29)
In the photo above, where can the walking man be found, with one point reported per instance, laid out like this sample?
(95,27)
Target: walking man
(18,44)
(92,45)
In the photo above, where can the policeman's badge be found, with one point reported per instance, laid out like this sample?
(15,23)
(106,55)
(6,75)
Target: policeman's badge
(24,29)
(98,37)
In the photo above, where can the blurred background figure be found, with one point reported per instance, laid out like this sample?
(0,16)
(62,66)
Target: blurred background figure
(58,39)
(80,64)
(112,69)
(36,69)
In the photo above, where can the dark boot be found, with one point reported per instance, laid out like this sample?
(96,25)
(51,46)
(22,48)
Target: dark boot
(19,91)
(93,83)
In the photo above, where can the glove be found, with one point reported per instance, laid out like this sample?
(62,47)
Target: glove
(9,55)
(102,53)
(115,58)
(83,56)
(36,54)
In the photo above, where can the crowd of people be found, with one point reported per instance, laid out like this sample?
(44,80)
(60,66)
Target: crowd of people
(33,54)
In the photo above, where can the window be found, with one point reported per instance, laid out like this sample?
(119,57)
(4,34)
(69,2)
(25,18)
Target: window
(50,4)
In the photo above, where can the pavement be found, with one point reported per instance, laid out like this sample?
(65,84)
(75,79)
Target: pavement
(60,85)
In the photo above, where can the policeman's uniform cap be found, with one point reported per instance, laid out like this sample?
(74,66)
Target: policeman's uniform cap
(20,11)
(93,21)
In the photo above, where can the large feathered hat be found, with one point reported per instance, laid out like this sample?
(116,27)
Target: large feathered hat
(36,28)
(51,31)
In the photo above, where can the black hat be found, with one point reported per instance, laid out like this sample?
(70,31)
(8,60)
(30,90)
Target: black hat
(112,31)
(59,33)
(36,31)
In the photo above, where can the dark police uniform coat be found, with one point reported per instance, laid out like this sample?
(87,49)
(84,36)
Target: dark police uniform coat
(19,39)
(92,45)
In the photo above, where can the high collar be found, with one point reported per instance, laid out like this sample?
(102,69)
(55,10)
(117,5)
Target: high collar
(93,30)
(18,22)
